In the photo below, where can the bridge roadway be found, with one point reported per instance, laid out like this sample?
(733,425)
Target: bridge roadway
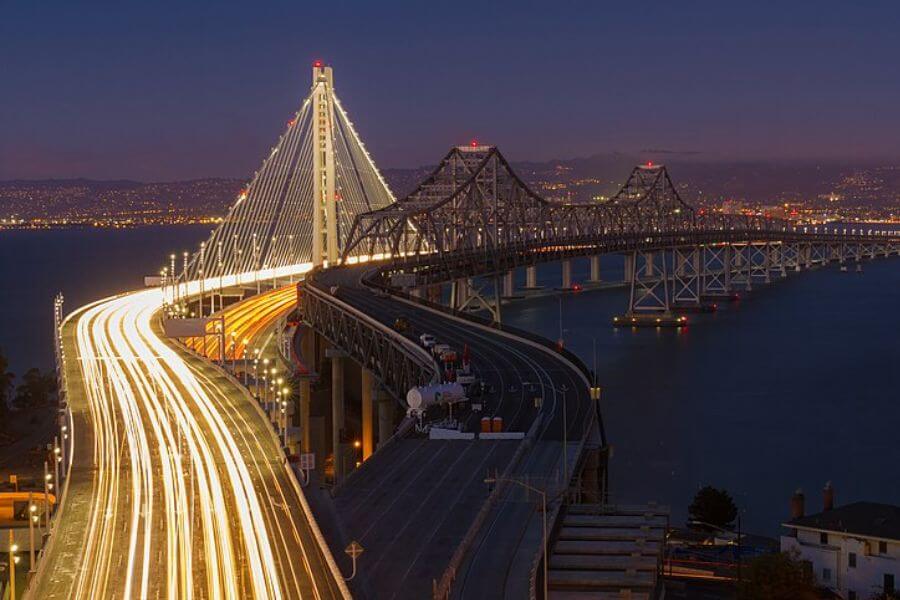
(412,503)
(178,487)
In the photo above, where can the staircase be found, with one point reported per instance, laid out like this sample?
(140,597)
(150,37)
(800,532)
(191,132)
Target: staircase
(606,552)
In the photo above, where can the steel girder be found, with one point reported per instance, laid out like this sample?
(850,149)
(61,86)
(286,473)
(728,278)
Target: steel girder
(473,215)
(396,361)
(686,276)
(649,283)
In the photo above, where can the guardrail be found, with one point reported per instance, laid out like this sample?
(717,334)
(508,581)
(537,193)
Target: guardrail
(441,589)
(397,361)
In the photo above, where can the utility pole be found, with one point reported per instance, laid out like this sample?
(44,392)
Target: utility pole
(565,426)
(13,559)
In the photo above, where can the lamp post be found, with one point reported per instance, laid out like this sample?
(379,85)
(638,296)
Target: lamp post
(256,374)
(286,393)
(47,487)
(543,495)
(565,430)
(57,459)
(13,561)
(31,518)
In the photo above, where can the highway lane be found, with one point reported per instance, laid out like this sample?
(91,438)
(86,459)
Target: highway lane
(189,495)
(413,504)
(244,321)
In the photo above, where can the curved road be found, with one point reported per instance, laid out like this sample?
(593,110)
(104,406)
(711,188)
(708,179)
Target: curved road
(184,492)
(411,505)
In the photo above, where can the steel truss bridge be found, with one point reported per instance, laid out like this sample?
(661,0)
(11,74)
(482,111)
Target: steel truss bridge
(473,216)
(319,204)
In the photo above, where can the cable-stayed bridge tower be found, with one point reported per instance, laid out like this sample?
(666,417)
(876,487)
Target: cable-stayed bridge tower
(300,205)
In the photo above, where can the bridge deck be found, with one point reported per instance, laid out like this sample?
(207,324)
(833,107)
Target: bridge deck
(412,503)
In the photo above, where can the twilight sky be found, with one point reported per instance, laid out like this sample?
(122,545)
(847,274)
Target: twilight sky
(174,90)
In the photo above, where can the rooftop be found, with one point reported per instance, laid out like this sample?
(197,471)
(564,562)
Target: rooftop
(868,519)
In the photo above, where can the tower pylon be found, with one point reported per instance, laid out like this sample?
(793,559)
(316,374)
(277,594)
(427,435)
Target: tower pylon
(325,240)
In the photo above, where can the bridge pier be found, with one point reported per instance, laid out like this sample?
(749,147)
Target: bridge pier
(531,278)
(509,284)
(686,279)
(567,274)
(459,293)
(435,293)
(595,269)
(385,417)
(337,357)
(629,268)
(368,384)
(304,397)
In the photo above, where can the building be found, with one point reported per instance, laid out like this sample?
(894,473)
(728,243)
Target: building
(853,550)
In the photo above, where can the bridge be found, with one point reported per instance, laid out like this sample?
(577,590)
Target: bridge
(184,478)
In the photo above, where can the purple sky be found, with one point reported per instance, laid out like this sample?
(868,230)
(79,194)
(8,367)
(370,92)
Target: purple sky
(173,90)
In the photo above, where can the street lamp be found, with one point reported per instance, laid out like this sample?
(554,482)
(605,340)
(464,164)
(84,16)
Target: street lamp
(543,495)
(565,431)
(13,561)
(286,393)
(32,517)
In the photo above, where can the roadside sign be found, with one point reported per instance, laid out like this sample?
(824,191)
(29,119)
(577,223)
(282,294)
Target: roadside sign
(354,549)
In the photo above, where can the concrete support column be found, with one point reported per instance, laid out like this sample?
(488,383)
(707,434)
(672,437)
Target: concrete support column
(509,285)
(435,292)
(304,399)
(566,274)
(337,410)
(385,417)
(460,293)
(415,292)
(368,427)
(531,277)
(308,356)
(595,269)
(649,266)
(629,268)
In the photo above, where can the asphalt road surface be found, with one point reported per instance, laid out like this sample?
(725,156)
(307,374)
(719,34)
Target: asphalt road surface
(411,504)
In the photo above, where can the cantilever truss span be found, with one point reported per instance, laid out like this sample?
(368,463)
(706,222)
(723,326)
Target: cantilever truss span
(302,201)
(474,215)
(475,201)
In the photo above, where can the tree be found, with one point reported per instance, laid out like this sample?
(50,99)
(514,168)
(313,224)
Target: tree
(779,576)
(6,379)
(36,389)
(713,506)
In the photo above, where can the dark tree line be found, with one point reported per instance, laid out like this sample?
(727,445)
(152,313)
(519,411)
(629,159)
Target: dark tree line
(36,390)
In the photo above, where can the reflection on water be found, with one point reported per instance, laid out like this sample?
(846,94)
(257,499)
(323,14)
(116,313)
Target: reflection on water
(794,385)
(83,264)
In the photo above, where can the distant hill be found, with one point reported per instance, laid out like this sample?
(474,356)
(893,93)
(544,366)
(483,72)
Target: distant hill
(580,179)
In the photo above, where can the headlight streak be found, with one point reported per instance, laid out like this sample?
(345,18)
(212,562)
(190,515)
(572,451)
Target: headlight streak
(150,413)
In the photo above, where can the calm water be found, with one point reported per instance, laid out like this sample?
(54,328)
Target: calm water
(83,264)
(793,386)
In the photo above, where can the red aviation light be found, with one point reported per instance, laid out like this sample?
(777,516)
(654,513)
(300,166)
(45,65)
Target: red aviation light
(318,64)
(474,143)
(649,164)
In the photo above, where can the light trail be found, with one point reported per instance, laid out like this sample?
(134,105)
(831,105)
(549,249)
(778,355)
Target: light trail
(191,496)
(245,320)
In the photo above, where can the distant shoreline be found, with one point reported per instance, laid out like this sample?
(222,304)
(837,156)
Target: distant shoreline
(101,225)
